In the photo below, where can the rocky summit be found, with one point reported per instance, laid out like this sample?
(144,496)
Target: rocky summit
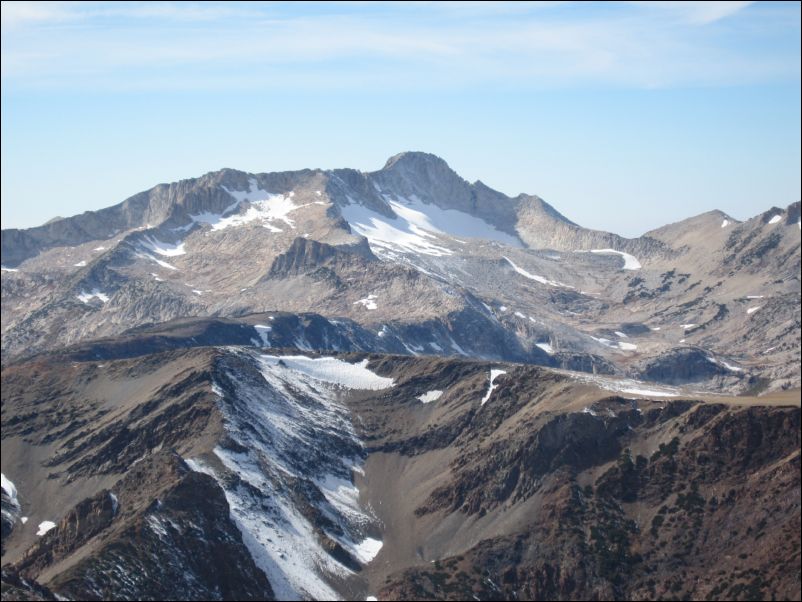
(332,384)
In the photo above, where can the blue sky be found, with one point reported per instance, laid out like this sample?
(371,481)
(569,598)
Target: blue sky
(624,116)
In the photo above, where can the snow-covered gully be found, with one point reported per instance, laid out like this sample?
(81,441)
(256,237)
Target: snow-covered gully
(287,465)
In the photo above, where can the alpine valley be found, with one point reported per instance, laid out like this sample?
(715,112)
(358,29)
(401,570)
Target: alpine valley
(331,384)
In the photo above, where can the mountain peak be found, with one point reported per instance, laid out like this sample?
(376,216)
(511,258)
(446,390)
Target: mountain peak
(415,160)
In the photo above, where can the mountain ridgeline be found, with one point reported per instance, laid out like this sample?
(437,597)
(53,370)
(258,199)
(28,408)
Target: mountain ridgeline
(332,384)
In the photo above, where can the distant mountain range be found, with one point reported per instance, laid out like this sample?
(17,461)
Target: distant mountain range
(414,259)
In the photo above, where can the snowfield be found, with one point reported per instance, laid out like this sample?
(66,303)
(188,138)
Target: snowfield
(264,207)
(331,370)
(418,225)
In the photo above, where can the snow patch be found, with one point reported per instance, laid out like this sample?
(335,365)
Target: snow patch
(367,549)
(752,310)
(81,264)
(85,297)
(621,334)
(369,302)
(775,219)
(725,223)
(44,527)
(5,269)
(649,392)
(614,344)
(430,396)
(546,347)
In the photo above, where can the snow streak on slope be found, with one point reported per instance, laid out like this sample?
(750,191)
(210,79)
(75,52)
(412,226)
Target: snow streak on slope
(287,465)
(493,375)
(264,333)
(615,344)
(535,277)
(418,225)
(630,261)
(624,385)
(11,493)
(154,245)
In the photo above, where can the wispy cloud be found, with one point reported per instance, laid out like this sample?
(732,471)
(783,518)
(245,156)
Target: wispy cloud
(699,13)
(432,44)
